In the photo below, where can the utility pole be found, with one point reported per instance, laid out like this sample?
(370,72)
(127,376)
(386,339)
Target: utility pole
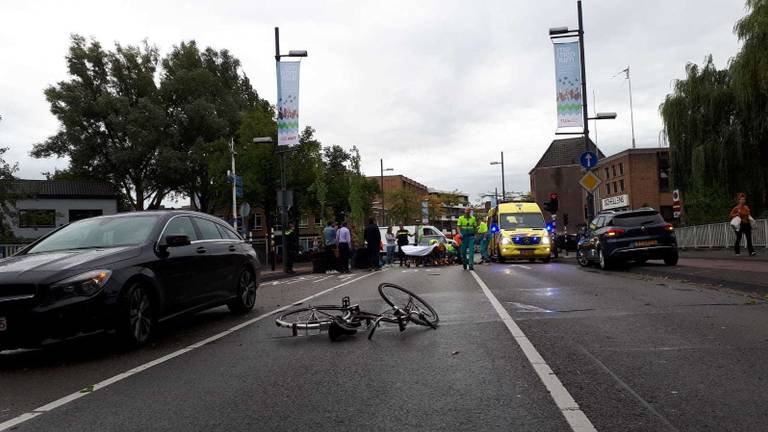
(631,110)
(585,112)
(283,194)
(234,184)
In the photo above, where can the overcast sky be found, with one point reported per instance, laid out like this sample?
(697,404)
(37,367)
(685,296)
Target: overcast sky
(435,88)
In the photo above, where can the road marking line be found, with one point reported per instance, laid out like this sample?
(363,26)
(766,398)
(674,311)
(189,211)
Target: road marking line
(522,266)
(322,279)
(564,401)
(119,377)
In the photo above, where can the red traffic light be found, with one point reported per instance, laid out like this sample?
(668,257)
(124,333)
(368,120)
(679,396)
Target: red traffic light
(553,196)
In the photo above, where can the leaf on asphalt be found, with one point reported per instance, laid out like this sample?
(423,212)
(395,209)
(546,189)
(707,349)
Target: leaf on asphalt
(455,352)
(87,389)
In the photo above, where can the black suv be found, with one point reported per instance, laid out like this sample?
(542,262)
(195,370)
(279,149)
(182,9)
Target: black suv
(637,235)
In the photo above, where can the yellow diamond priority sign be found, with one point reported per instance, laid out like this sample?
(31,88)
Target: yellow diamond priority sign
(590,182)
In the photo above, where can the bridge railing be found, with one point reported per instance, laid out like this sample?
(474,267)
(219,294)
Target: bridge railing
(719,235)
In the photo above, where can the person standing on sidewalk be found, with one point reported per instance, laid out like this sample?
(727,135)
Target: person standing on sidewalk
(402,240)
(391,245)
(329,237)
(372,237)
(467,224)
(745,228)
(344,242)
(293,243)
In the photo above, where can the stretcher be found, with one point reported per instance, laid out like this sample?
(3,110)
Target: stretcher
(425,255)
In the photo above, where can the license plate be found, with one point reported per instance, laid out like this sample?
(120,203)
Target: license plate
(3,324)
(645,243)
(526,252)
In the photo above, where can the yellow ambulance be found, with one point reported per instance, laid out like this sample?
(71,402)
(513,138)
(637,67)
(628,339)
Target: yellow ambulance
(519,232)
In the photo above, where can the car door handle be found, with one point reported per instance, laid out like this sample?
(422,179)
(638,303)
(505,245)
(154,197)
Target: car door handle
(232,248)
(201,250)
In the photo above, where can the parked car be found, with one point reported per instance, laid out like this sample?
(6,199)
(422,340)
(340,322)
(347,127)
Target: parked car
(637,235)
(125,272)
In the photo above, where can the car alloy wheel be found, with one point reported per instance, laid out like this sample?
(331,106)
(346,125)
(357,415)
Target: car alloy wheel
(246,293)
(582,259)
(136,317)
(604,263)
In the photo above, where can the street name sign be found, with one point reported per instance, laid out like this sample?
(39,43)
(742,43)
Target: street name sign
(588,160)
(615,202)
(590,182)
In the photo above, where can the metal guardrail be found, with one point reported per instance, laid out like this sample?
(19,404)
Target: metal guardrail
(719,235)
(7,250)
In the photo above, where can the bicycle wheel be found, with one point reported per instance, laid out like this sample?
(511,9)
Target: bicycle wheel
(398,297)
(311,318)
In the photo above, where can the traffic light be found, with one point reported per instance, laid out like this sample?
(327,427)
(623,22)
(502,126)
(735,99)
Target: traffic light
(553,203)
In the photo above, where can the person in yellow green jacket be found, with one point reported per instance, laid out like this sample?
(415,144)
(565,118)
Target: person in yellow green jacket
(467,225)
(482,233)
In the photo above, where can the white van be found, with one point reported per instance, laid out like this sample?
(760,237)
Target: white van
(418,235)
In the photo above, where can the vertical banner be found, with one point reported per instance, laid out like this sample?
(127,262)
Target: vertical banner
(568,77)
(288,103)
(425,212)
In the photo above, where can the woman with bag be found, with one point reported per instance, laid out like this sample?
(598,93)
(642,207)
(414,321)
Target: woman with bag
(391,245)
(741,211)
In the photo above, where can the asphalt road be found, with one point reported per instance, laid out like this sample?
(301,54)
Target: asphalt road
(635,352)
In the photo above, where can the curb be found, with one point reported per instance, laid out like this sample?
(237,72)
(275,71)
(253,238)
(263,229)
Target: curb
(279,275)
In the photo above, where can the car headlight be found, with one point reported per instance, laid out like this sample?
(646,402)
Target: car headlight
(545,240)
(82,285)
(506,240)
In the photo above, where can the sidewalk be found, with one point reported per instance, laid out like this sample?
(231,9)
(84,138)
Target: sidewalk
(267,274)
(725,254)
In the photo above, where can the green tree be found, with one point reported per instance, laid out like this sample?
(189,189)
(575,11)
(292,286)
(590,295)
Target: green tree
(337,179)
(113,123)
(717,126)
(6,196)
(206,98)
(404,206)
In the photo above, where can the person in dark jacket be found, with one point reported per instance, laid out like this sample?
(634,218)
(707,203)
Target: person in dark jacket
(402,240)
(293,244)
(372,237)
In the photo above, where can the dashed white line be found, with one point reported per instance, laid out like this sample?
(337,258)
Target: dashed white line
(109,381)
(564,401)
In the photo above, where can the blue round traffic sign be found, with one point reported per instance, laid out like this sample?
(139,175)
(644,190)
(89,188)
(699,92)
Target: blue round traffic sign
(588,159)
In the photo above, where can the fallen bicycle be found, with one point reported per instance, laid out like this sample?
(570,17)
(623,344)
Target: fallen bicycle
(346,319)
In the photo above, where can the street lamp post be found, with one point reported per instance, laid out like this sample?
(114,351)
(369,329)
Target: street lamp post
(565,32)
(503,187)
(383,209)
(283,194)
(232,153)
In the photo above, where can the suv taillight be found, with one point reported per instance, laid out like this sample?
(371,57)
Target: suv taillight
(613,232)
(669,227)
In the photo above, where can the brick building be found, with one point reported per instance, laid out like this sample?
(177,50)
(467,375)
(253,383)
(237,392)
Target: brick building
(636,178)
(395,183)
(559,171)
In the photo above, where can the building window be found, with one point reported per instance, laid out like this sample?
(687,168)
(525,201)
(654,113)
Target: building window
(621,184)
(607,173)
(303,221)
(76,215)
(257,222)
(663,171)
(615,187)
(613,168)
(318,221)
(608,188)
(37,218)
(621,169)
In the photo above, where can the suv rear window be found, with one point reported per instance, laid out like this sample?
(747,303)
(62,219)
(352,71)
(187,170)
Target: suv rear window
(637,219)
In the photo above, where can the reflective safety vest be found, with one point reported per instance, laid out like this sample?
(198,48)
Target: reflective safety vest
(467,223)
(483,228)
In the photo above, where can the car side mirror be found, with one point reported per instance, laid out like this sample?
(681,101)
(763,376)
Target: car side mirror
(177,241)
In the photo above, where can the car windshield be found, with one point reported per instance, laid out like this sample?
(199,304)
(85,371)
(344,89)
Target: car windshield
(521,220)
(637,219)
(99,233)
